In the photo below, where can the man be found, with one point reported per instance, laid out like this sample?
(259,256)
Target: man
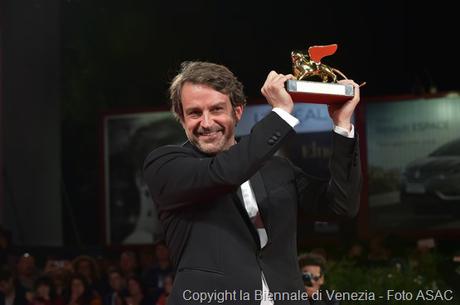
(312,267)
(129,264)
(229,208)
(117,285)
(26,271)
(11,292)
(154,277)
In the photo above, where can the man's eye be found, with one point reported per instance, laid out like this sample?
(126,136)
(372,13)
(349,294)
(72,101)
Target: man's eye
(194,114)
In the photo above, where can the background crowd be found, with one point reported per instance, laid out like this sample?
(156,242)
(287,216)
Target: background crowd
(144,275)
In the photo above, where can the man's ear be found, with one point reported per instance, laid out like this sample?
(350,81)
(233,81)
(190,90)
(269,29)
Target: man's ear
(238,112)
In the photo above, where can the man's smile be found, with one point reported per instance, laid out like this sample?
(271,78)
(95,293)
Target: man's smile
(210,134)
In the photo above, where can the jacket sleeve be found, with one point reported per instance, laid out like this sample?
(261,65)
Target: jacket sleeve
(340,195)
(176,177)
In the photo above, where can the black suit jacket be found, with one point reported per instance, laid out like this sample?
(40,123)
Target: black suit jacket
(213,243)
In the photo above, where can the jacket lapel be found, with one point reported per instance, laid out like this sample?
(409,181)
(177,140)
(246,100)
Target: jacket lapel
(244,214)
(258,187)
(260,194)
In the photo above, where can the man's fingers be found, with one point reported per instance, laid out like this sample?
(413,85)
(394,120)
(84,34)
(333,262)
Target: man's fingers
(274,81)
(281,79)
(272,75)
(346,81)
(356,96)
(274,84)
(275,78)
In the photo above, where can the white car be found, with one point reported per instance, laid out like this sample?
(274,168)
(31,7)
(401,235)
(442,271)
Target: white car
(434,180)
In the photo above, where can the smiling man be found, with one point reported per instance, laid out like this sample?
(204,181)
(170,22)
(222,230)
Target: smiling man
(208,118)
(228,208)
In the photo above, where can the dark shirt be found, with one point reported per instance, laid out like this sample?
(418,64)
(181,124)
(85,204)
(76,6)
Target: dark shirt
(154,280)
(20,298)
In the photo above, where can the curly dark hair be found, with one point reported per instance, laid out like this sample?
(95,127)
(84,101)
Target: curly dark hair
(312,259)
(218,77)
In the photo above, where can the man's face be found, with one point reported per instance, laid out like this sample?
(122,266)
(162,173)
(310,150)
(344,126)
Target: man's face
(133,287)
(127,262)
(209,119)
(43,291)
(6,286)
(317,280)
(84,268)
(162,252)
(116,281)
(26,265)
(77,288)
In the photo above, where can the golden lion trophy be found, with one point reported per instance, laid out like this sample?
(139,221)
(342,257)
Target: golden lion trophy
(316,82)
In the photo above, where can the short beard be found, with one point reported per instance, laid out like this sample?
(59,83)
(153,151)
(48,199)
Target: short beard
(220,147)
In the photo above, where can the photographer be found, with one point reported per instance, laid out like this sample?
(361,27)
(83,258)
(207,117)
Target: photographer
(312,267)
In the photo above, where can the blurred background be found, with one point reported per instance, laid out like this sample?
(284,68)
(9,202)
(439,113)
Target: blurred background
(83,86)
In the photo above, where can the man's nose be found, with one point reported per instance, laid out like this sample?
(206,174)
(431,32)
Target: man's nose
(206,120)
